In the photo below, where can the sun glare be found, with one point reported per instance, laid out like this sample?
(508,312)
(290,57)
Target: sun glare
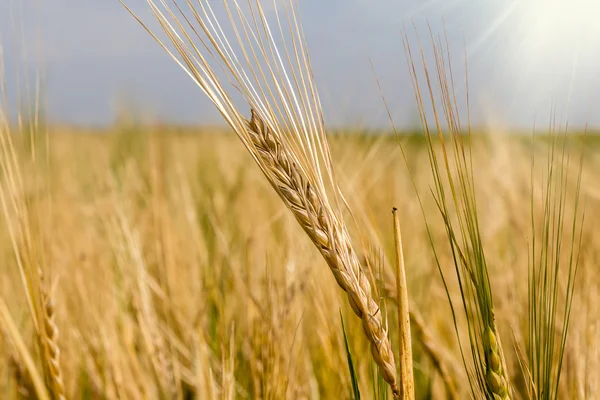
(555,42)
(555,24)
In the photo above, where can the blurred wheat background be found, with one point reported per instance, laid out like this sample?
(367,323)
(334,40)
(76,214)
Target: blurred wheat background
(175,270)
(155,261)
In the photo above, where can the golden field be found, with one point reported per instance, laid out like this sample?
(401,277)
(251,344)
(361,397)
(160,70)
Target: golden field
(175,271)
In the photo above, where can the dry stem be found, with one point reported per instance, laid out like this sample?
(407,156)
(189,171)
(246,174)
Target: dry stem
(407,387)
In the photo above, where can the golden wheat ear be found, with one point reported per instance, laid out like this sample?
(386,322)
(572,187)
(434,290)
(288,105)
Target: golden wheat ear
(285,133)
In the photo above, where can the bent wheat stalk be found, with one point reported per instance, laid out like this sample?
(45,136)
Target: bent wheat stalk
(285,134)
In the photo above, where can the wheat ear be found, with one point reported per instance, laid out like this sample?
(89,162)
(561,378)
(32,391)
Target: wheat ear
(495,375)
(329,236)
(50,344)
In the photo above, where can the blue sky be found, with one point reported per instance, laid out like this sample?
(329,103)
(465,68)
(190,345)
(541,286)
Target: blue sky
(96,57)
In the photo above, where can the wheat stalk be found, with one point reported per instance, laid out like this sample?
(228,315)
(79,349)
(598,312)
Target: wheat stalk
(405,342)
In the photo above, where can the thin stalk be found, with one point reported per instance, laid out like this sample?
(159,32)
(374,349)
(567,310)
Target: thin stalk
(407,381)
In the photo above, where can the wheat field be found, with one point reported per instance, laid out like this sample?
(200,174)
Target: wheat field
(176,272)
(277,259)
